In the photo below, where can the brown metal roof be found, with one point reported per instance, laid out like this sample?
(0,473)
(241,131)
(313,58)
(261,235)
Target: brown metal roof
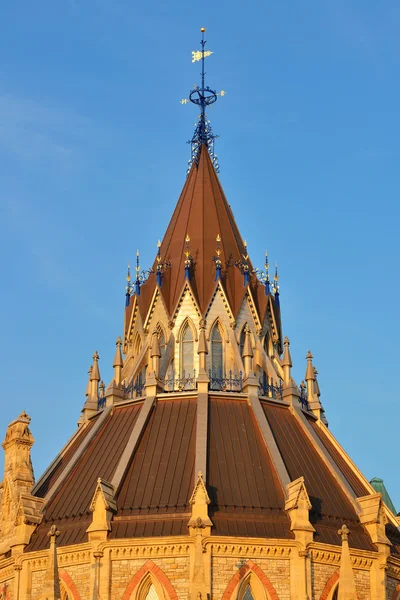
(63,461)
(202,212)
(245,493)
(70,506)
(358,486)
(160,478)
(330,505)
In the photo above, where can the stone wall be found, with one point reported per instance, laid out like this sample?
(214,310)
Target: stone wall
(223,569)
(320,575)
(176,569)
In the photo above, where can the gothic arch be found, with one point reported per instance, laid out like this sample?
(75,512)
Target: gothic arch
(4,592)
(238,583)
(136,344)
(149,573)
(330,586)
(69,586)
(222,327)
(163,341)
(216,357)
(187,321)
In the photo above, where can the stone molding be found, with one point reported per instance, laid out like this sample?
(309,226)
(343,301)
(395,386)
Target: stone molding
(150,567)
(333,579)
(66,579)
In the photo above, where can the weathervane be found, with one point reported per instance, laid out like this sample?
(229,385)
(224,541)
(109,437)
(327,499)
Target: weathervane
(202,96)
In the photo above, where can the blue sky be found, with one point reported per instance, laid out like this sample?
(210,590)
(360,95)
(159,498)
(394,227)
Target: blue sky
(92,160)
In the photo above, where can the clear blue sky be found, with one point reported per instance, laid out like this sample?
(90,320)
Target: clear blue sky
(93,158)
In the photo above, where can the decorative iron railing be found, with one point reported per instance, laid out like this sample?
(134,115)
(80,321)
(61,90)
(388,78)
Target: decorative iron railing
(133,390)
(230,383)
(101,402)
(270,389)
(180,383)
(303,399)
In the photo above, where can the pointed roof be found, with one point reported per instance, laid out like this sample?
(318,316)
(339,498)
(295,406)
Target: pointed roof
(379,486)
(202,212)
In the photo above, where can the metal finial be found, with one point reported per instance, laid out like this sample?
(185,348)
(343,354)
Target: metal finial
(275,287)
(162,266)
(243,265)
(217,258)
(188,260)
(202,96)
(128,286)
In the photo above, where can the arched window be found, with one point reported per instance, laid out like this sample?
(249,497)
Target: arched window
(242,339)
(163,352)
(64,594)
(335,594)
(151,594)
(248,595)
(187,351)
(266,343)
(216,352)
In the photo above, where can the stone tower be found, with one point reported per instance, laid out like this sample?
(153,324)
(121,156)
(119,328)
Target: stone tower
(202,471)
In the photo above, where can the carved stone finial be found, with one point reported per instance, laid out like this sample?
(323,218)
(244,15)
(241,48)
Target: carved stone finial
(95,373)
(53,533)
(286,341)
(344,533)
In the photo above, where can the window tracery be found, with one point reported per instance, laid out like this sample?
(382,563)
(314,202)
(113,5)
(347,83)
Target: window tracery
(163,351)
(187,351)
(242,340)
(215,357)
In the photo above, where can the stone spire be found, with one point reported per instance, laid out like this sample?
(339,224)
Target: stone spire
(247,353)
(347,586)
(118,362)
(92,391)
(89,386)
(155,353)
(286,361)
(95,376)
(51,585)
(312,387)
(310,376)
(202,351)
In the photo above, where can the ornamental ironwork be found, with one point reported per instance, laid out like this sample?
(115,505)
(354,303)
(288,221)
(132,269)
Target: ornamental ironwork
(270,389)
(303,399)
(180,383)
(202,96)
(134,389)
(226,383)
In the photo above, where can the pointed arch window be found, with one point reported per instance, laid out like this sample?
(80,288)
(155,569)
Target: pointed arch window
(151,594)
(242,339)
(217,352)
(266,343)
(163,351)
(248,594)
(335,593)
(187,351)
